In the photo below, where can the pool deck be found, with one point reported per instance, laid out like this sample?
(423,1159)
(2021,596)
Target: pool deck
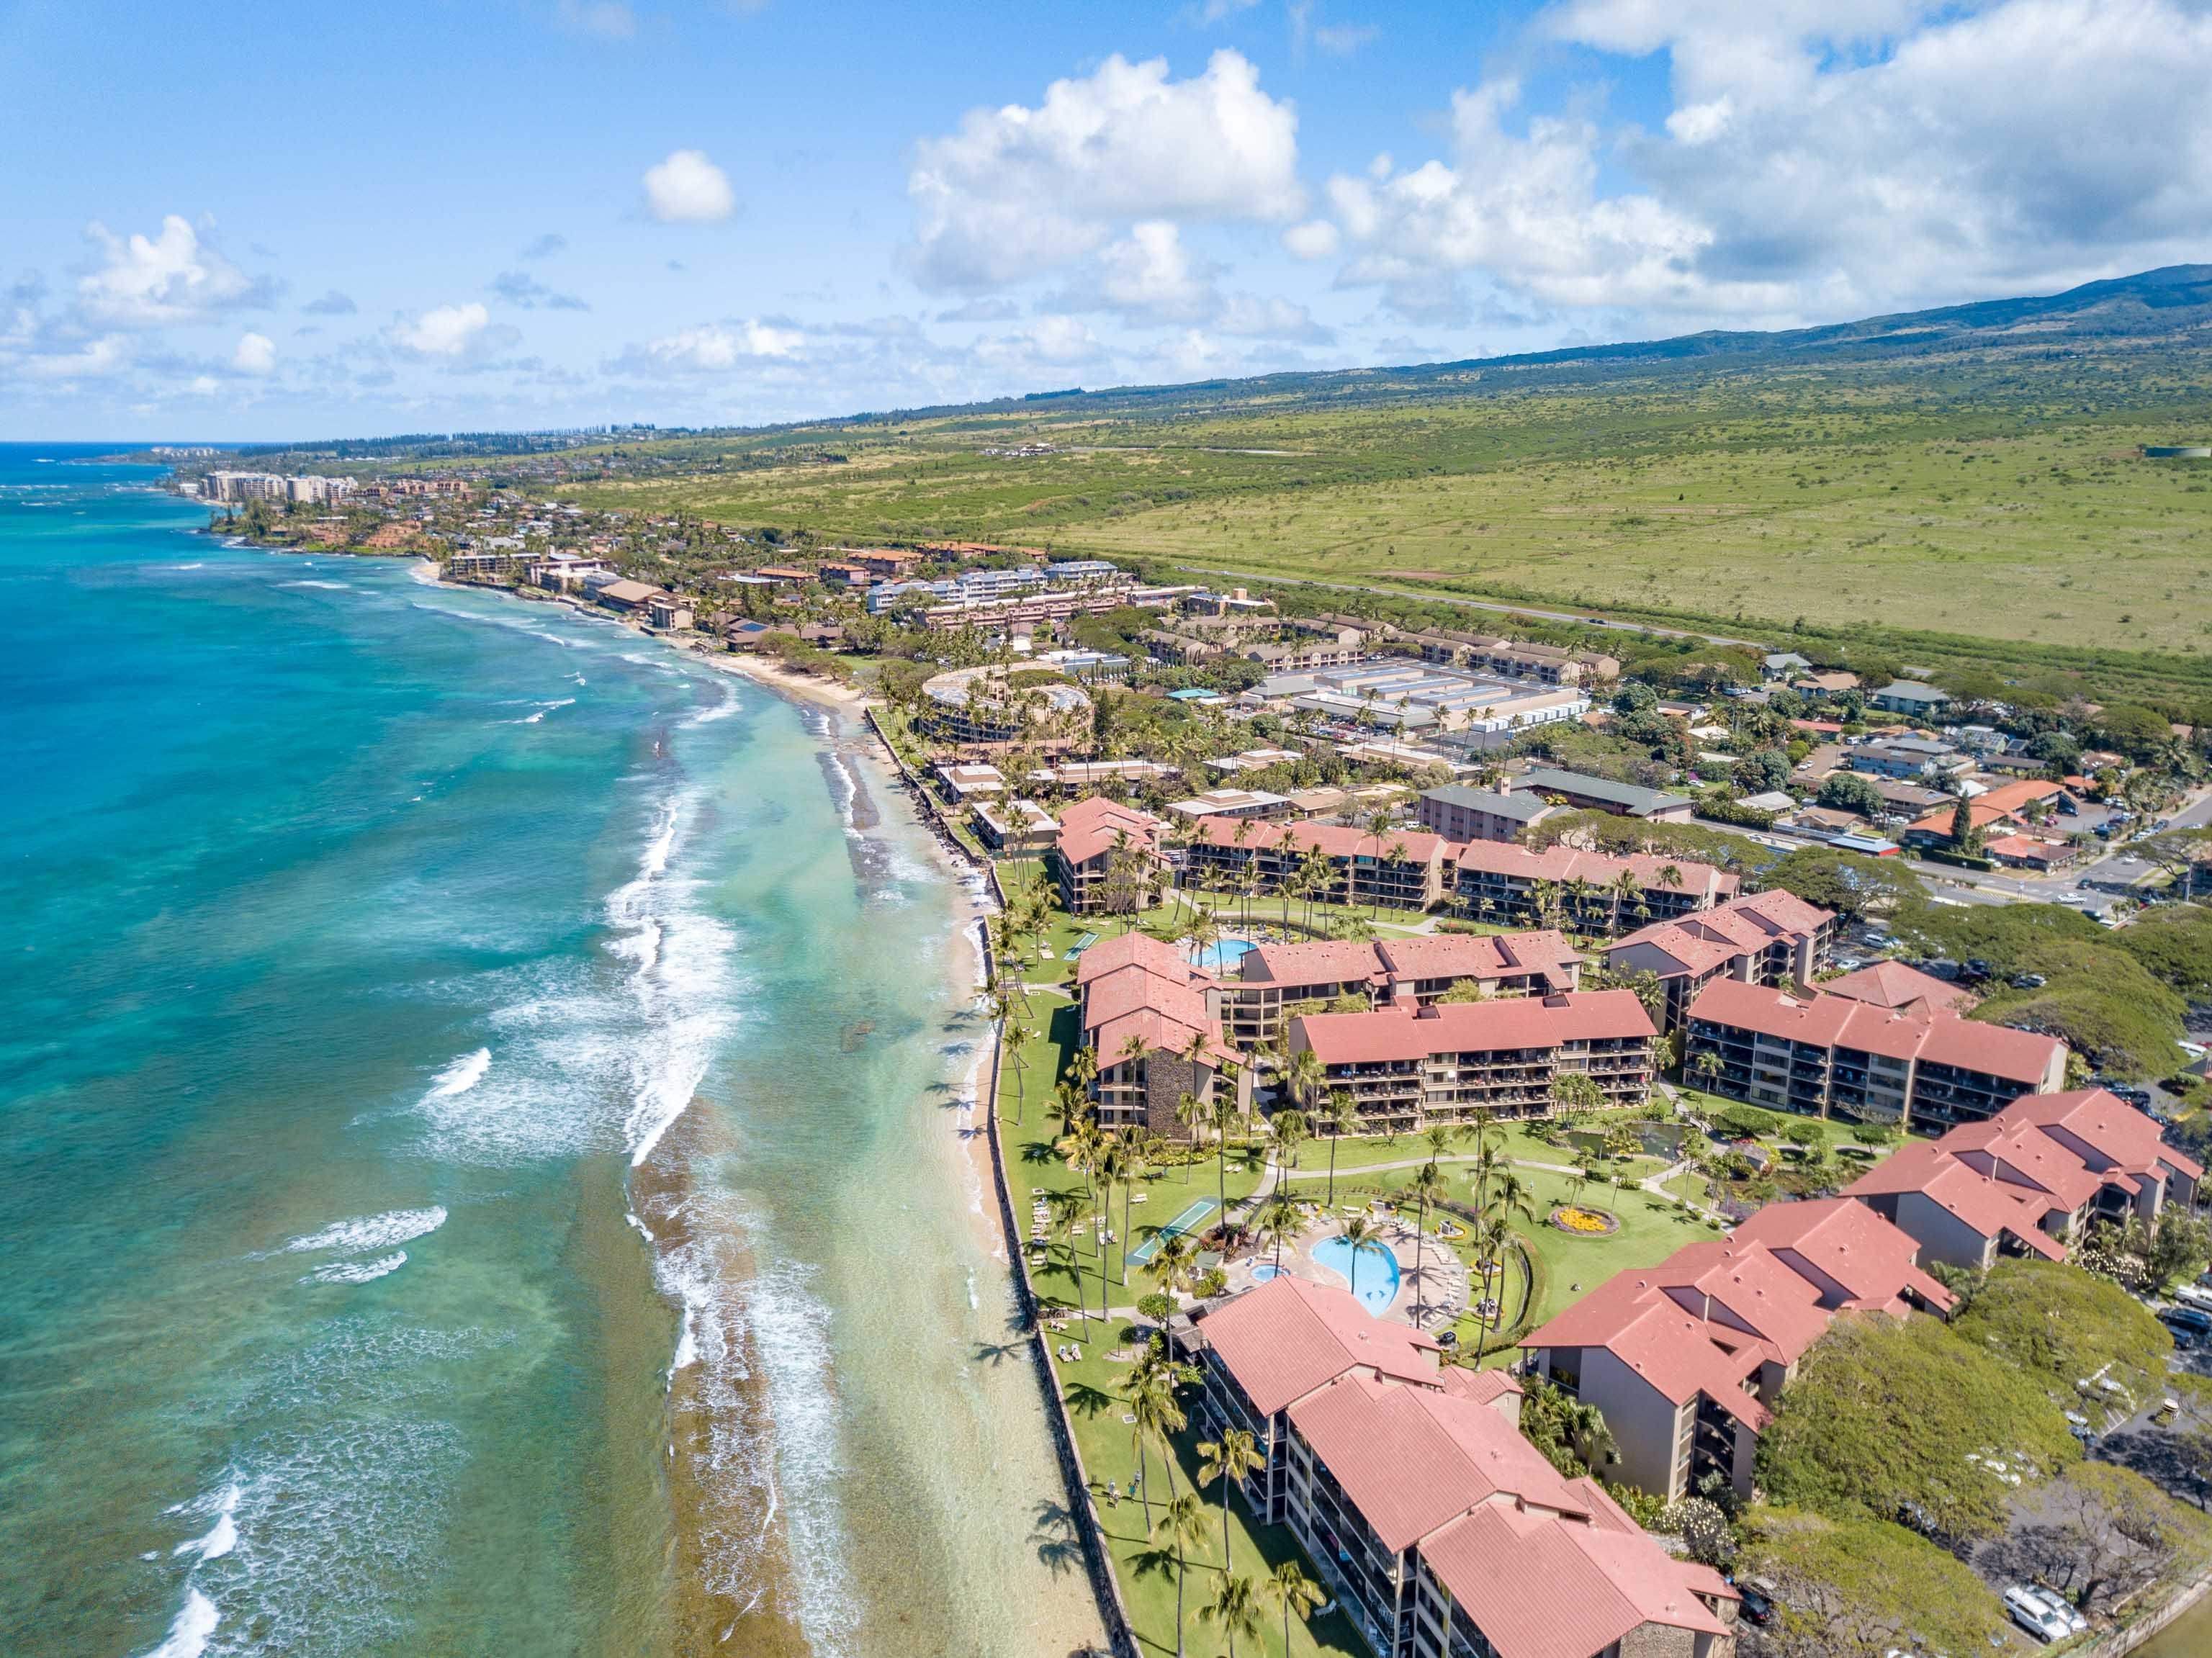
(1437,1287)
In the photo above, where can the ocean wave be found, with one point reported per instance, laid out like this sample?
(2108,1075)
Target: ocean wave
(460,1075)
(357,1271)
(221,1536)
(370,1232)
(327,587)
(194,1625)
(544,708)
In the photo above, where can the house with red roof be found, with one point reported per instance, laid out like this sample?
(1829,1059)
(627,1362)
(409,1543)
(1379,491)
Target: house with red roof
(1892,984)
(1274,977)
(1399,868)
(1759,938)
(2031,1179)
(1687,1358)
(1917,1066)
(1598,892)
(1154,1023)
(1106,857)
(1408,1065)
(1442,1531)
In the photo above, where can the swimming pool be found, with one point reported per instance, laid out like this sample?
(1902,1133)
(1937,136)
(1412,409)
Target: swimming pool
(1261,1274)
(1223,956)
(1378,1285)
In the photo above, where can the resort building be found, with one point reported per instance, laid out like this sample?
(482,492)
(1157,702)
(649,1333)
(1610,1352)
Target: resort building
(1892,984)
(1588,793)
(1255,804)
(969,782)
(992,707)
(1106,858)
(2030,1180)
(1459,813)
(1593,891)
(1273,978)
(1406,1066)
(1152,1021)
(1687,1358)
(1014,827)
(1399,868)
(1760,938)
(1442,1531)
(1918,1065)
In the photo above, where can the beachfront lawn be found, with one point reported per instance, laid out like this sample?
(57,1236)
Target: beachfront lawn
(1232,911)
(1092,1388)
(1519,1142)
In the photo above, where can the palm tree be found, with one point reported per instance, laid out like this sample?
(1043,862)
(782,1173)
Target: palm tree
(1016,1037)
(1441,1136)
(1294,1592)
(1224,1113)
(1588,1435)
(1083,1067)
(1342,1118)
(1306,1072)
(1173,1264)
(1277,1219)
(1426,1187)
(1060,1210)
(1133,1170)
(1626,889)
(1377,824)
(1288,846)
(1228,1459)
(1708,1067)
(1357,1231)
(1191,1113)
(1184,1521)
(1150,1399)
(1490,1241)
(1290,1132)
(1235,1608)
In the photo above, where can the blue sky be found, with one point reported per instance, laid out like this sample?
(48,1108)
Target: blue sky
(248,220)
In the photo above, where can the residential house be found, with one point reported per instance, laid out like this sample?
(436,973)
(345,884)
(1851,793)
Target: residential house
(1106,857)
(1908,758)
(1441,1530)
(1686,1359)
(1760,938)
(1823,1055)
(1399,868)
(1408,1066)
(1459,813)
(1592,891)
(1782,664)
(2031,1179)
(1271,978)
(1909,696)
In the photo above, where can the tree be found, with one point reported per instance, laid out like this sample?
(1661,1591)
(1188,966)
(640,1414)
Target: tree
(1183,1522)
(1277,1221)
(1876,1418)
(2059,1324)
(1853,1586)
(1426,1188)
(1342,1118)
(1289,1588)
(1576,1090)
(1966,834)
(1357,1231)
(1290,1129)
(1851,884)
(2117,1533)
(1234,1607)
(1571,1434)
(1850,791)
(1226,1461)
(1150,1395)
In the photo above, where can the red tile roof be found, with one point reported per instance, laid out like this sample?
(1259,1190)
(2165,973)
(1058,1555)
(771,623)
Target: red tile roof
(1452,956)
(1134,948)
(1917,1031)
(1411,1459)
(1563,863)
(1704,939)
(1892,984)
(2105,1123)
(1092,826)
(1330,840)
(1992,1208)
(1538,1587)
(1510,1022)
(1286,1338)
(1847,1244)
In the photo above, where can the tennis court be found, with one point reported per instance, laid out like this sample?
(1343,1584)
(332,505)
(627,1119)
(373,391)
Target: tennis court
(1188,1221)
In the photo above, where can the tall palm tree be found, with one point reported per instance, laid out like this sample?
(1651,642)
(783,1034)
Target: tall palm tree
(1060,1210)
(1151,1398)
(1343,1118)
(1441,1136)
(1235,1608)
(1288,846)
(1224,1114)
(1708,1067)
(1377,823)
(1357,1231)
(1290,1132)
(1306,1072)
(1083,1068)
(1182,1523)
(1277,1219)
(1424,1188)
(1294,1592)
(1227,1460)
(1626,889)
(1017,1038)
(1174,1264)
(1191,1113)
(1490,1239)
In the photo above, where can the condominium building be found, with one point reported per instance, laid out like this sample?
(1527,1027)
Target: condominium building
(1759,938)
(1400,869)
(1275,977)
(1442,1532)
(1588,793)
(1407,1065)
(1459,813)
(1152,1021)
(987,707)
(1106,857)
(1822,1055)
(1686,1359)
(2031,1179)
(1594,891)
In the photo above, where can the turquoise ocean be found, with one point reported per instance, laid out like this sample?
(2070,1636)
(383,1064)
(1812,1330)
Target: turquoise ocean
(483,1163)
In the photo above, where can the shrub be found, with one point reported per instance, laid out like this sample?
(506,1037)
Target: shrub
(1158,1306)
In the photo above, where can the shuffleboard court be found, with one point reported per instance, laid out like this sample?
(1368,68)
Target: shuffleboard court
(1187,1221)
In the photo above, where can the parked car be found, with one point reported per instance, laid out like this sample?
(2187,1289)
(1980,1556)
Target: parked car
(2076,1623)
(1757,1607)
(1975,968)
(2028,1611)
(2027,981)
(2186,1322)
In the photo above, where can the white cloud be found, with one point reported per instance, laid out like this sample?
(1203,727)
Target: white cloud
(1149,274)
(1216,11)
(1342,40)
(94,360)
(712,348)
(446,330)
(1316,239)
(1017,193)
(1822,159)
(604,19)
(147,281)
(1043,342)
(688,189)
(256,353)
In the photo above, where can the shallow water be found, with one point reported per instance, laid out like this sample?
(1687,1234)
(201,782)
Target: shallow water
(375,952)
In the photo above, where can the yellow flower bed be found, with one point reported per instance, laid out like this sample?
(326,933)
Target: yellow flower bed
(1582,1220)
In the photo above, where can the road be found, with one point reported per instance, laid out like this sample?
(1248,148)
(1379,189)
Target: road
(1434,598)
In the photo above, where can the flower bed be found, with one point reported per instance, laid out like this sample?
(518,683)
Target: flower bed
(1580,1222)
